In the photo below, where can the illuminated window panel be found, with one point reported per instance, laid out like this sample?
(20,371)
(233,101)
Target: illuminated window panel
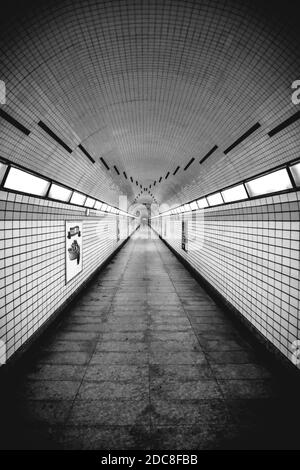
(98,205)
(193,205)
(215,199)
(3,168)
(235,194)
(295,169)
(104,207)
(273,182)
(186,207)
(90,202)
(78,198)
(19,180)
(202,203)
(60,193)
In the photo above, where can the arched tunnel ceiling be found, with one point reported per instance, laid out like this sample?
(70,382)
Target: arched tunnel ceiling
(148,85)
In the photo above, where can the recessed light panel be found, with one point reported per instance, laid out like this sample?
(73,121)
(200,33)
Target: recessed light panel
(78,198)
(234,194)
(19,180)
(90,202)
(193,205)
(273,182)
(60,193)
(98,205)
(215,199)
(202,203)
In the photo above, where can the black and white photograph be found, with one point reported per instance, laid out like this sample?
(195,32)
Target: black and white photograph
(149,230)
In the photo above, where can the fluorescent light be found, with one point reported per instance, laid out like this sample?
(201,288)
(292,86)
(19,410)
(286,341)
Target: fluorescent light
(60,193)
(276,181)
(215,199)
(202,203)
(90,202)
(104,207)
(2,171)
(24,182)
(295,169)
(193,205)
(98,205)
(234,194)
(78,198)
(186,207)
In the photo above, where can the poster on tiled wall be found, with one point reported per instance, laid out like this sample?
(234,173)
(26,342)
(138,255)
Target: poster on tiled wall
(73,249)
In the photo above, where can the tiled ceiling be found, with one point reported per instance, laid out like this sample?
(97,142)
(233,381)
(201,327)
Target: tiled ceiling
(148,85)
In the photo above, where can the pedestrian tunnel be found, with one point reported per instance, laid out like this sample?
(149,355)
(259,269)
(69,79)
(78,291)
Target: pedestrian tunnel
(149,223)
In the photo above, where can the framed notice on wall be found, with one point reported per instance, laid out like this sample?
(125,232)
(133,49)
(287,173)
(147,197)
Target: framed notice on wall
(184,235)
(73,249)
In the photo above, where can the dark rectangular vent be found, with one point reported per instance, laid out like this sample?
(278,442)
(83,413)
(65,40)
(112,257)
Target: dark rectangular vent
(137,183)
(116,170)
(14,122)
(208,154)
(176,170)
(189,163)
(243,137)
(131,179)
(160,179)
(124,174)
(167,175)
(141,186)
(154,183)
(285,124)
(86,153)
(54,136)
(104,163)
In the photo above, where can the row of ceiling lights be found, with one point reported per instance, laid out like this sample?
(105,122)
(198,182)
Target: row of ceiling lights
(284,178)
(20,180)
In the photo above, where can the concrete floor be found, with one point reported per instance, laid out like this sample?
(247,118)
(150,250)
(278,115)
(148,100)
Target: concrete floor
(147,360)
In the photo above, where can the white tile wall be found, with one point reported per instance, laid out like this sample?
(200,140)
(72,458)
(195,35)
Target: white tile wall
(249,252)
(32,254)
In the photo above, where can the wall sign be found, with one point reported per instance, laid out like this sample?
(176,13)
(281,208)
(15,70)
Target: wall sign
(73,249)
(184,235)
